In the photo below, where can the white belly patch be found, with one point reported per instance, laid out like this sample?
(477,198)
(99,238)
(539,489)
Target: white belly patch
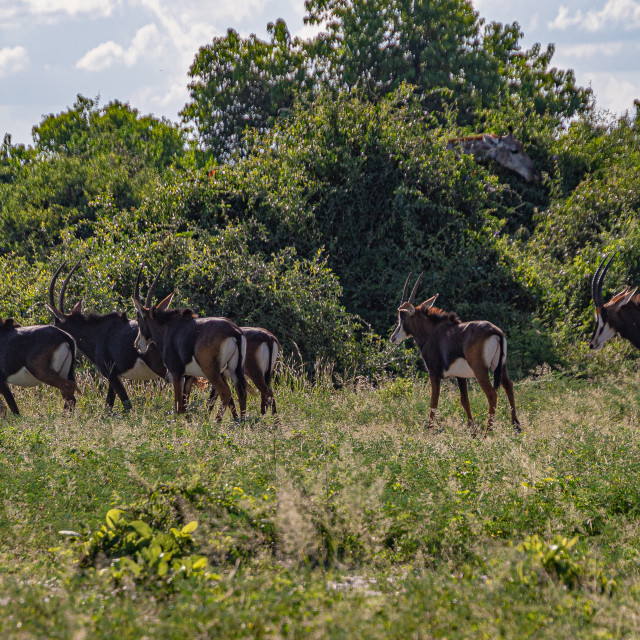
(24,378)
(459,369)
(140,371)
(193,369)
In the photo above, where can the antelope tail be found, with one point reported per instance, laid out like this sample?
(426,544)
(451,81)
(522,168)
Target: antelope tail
(497,374)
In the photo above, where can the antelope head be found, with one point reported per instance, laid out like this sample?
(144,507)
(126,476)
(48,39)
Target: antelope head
(406,311)
(608,315)
(510,153)
(146,311)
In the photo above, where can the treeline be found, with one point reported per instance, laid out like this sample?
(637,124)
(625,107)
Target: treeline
(309,177)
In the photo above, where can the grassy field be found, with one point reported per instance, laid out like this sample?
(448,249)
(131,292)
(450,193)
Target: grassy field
(347,520)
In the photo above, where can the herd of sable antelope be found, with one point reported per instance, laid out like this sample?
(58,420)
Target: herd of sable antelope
(178,346)
(174,344)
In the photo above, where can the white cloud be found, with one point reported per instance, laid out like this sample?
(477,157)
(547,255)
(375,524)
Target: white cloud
(144,44)
(599,49)
(71,7)
(12,60)
(615,93)
(615,13)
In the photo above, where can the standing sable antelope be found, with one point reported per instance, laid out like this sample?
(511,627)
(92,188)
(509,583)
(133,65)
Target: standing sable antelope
(31,356)
(213,348)
(621,315)
(108,341)
(454,349)
(505,150)
(262,354)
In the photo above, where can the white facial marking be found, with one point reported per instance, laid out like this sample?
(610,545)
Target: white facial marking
(141,343)
(604,331)
(399,334)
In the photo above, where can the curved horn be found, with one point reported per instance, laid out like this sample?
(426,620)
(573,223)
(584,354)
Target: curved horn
(136,290)
(415,289)
(63,289)
(598,279)
(406,284)
(52,287)
(152,287)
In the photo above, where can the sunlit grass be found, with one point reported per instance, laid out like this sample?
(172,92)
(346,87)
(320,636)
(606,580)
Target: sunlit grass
(347,518)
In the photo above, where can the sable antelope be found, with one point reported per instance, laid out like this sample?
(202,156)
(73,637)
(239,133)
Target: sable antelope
(505,150)
(454,349)
(31,356)
(262,354)
(621,315)
(108,341)
(213,348)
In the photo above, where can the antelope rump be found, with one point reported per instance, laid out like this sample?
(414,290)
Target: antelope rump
(35,355)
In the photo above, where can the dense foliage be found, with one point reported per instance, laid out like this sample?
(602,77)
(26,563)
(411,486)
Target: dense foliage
(442,48)
(319,178)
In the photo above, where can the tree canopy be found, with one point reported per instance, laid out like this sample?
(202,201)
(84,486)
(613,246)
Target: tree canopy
(442,48)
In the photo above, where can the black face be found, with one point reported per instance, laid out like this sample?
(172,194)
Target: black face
(144,339)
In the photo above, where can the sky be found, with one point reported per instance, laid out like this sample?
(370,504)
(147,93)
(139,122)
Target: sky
(140,51)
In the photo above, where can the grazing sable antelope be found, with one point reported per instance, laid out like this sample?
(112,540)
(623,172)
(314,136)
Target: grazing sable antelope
(35,355)
(262,354)
(213,348)
(621,315)
(108,341)
(454,349)
(505,150)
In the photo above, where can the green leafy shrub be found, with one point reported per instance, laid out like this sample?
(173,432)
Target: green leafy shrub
(558,560)
(131,548)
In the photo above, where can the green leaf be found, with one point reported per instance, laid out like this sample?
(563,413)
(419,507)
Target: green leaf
(141,528)
(113,517)
(190,527)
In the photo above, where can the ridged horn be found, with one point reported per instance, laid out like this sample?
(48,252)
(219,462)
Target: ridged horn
(57,312)
(136,289)
(406,284)
(412,297)
(598,279)
(63,289)
(153,286)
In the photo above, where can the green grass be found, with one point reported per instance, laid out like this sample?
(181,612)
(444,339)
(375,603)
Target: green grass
(347,520)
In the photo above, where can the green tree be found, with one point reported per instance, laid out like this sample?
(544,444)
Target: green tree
(438,44)
(116,128)
(243,83)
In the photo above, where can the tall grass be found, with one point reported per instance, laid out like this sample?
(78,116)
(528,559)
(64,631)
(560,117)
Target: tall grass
(345,519)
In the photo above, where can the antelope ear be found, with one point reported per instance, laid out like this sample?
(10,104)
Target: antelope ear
(138,305)
(427,304)
(622,298)
(77,307)
(164,304)
(54,312)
